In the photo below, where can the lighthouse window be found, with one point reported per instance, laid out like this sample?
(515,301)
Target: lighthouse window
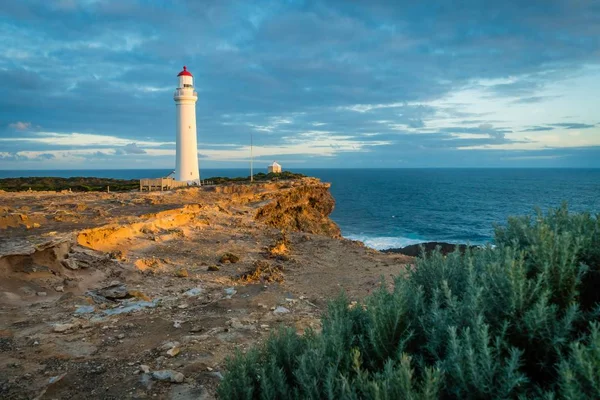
(187,85)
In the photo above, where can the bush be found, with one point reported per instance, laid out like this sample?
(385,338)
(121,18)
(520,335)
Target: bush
(518,320)
(229,258)
(258,177)
(543,239)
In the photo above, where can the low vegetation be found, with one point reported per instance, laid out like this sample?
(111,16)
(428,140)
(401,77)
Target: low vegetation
(518,320)
(90,184)
(76,184)
(260,177)
(228,258)
(263,272)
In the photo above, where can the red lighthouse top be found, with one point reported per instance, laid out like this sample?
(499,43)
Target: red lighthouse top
(184,72)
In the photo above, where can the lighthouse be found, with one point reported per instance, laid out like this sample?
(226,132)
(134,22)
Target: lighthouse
(186,164)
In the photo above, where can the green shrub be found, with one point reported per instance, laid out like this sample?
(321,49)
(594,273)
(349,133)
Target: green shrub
(542,238)
(518,320)
(579,373)
(258,177)
(229,258)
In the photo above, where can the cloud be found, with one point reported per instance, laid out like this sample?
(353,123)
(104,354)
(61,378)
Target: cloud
(20,126)
(46,156)
(132,148)
(535,157)
(533,99)
(22,156)
(75,139)
(573,125)
(487,129)
(5,156)
(519,87)
(102,154)
(367,72)
(538,129)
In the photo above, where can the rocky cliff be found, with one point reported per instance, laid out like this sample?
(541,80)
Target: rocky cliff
(130,288)
(305,208)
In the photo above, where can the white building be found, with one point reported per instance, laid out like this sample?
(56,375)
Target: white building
(186,164)
(274,168)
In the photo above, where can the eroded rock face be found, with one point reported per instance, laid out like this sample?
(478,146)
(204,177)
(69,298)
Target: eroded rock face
(304,208)
(110,237)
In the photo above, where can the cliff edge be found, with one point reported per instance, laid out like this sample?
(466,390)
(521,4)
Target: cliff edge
(305,208)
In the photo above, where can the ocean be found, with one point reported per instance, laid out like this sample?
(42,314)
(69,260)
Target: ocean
(391,208)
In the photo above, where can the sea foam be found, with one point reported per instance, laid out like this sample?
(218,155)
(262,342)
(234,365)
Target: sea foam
(384,242)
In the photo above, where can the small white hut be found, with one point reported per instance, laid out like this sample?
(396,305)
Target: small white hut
(274,168)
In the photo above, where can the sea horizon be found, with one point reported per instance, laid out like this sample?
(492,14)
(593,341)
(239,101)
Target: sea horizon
(292,169)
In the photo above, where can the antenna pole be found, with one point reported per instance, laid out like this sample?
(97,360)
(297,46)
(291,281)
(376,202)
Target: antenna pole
(251,161)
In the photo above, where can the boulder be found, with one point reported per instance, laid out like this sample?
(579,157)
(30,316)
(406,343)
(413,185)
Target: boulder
(168,375)
(414,250)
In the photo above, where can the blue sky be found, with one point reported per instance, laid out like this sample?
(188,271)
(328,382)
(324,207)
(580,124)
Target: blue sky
(338,83)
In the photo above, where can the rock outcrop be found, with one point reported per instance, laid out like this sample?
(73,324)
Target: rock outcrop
(414,250)
(304,208)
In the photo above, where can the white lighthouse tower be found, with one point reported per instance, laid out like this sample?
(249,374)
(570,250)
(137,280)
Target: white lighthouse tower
(186,167)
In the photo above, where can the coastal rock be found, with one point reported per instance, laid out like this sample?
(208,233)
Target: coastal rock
(193,292)
(85,310)
(169,345)
(130,306)
(115,291)
(414,250)
(173,352)
(168,375)
(304,208)
(79,260)
(146,381)
(218,375)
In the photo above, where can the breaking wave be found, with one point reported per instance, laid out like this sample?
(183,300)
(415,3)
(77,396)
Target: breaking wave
(385,242)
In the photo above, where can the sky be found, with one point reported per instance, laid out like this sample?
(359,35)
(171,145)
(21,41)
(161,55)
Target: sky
(88,84)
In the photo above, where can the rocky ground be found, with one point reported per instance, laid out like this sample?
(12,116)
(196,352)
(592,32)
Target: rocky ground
(144,295)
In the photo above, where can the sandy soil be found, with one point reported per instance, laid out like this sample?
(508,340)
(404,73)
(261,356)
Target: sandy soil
(100,292)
